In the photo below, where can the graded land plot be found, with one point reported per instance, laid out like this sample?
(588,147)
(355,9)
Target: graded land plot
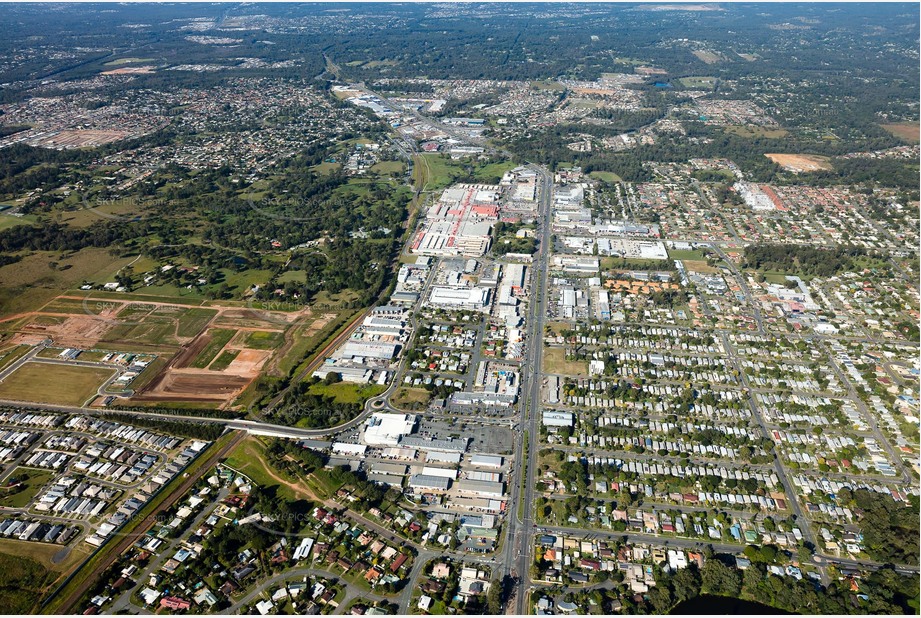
(306,339)
(211,344)
(256,317)
(800,162)
(708,57)
(248,363)
(22,485)
(129,60)
(76,331)
(223,361)
(57,384)
(555,362)
(191,385)
(193,321)
(66,305)
(699,266)
(152,331)
(908,131)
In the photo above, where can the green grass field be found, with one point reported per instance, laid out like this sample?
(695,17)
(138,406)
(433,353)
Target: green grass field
(219,338)
(223,361)
(11,355)
(698,82)
(325,168)
(7,221)
(22,583)
(298,276)
(548,85)
(491,171)
(59,384)
(403,397)
(192,321)
(41,276)
(907,131)
(345,392)
(554,361)
(433,171)
(30,482)
(686,254)
(605,176)
(249,458)
(264,340)
(388,167)
(150,331)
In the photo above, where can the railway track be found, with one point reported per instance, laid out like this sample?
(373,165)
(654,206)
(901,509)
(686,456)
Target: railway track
(66,607)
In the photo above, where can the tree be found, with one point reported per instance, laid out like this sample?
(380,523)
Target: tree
(494,598)
(686,584)
(717,578)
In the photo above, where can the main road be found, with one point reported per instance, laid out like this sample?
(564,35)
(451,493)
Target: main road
(516,554)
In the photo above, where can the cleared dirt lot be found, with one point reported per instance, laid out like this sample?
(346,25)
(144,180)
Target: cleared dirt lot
(248,363)
(800,162)
(908,131)
(193,384)
(73,331)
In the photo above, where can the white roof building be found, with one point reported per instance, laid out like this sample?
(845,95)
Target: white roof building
(385,429)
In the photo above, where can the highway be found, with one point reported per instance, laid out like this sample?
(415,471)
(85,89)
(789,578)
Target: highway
(516,554)
(258,428)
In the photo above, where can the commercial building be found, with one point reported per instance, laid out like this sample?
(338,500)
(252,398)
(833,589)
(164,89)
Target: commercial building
(429,483)
(434,444)
(486,461)
(557,419)
(459,223)
(448,473)
(481,489)
(352,350)
(383,429)
(476,299)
